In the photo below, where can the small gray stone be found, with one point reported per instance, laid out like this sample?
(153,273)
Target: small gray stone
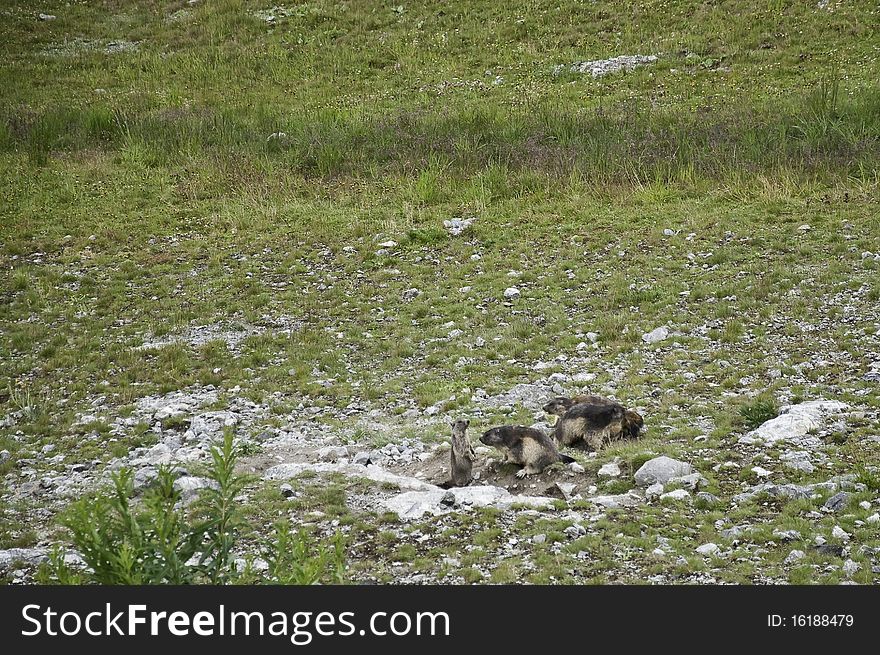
(837,502)
(839,533)
(539,538)
(676,494)
(707,499)
(850,568)
(287,490)
(511,293)
(661,469)
(787,535)
(362,458)
(656,335)
(708,549)
(575,531)
(654,490)
(574,467)
(609,470)
(794,556)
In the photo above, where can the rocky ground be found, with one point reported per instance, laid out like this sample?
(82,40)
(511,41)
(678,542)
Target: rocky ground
(595,519)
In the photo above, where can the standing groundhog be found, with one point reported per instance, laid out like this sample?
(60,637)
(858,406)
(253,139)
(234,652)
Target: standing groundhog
(597,423)
(462,455)
(530,448)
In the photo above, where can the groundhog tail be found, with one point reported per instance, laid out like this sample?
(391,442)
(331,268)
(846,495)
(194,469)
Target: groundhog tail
(565,459)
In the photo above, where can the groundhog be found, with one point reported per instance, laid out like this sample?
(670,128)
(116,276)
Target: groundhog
(530,448)
(559,405)
(462,455)
(597,423)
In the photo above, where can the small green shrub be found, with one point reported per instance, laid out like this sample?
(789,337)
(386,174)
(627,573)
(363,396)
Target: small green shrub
(757,412)
(159,542)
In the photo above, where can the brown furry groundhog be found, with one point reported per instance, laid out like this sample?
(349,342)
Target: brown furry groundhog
(530,448)
(462,455)
(559,405)
(597,423)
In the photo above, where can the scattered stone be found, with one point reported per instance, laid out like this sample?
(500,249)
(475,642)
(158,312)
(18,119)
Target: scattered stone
(799,461)
(654,490)
(600,67)
(575,531)
(787,535)
(456,226)
(628,499)
(511,293)
(873,519)
(707,499)
(539,538)
(709,549)
(361,458)
(795,422)
(415,504)
(411,294)
(4,456)
(837,502)
(287,490)
(333,453)
(574,467)
(676,494)
(566,489)
(865,504)
(691,481)
(794,557)
(761,472)
(656,335)
(661,469)
(840,533)
(609,470)
(46,17)
(736,531)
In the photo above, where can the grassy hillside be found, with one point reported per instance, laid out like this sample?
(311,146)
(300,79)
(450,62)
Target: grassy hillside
(165,165)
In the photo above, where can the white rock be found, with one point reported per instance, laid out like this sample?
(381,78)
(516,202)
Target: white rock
(415,504)
(795,421)
(840,533)
(629,499)
(609,470)
(874,518)
(654,490)
(661,469)
(865,504)
(388,244)
(676,494)
(708,549)
(656,335)
(850,568)
(574,467)
(794,556)
(761,472)
(511,293)
(333,453)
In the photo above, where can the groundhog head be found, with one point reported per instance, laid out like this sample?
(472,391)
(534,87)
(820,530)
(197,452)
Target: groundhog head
(633,423)
(492,437)
(558,406)
(459,427)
